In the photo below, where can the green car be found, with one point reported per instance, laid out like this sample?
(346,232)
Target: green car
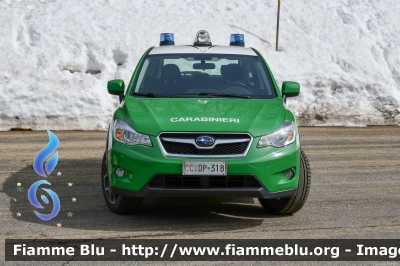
(204,120)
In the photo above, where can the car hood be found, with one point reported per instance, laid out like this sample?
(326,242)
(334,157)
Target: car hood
(154,115)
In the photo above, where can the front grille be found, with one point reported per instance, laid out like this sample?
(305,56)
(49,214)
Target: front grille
(196,135)
(221,149)
(204,182)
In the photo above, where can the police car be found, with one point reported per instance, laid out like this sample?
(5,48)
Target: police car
(204,120)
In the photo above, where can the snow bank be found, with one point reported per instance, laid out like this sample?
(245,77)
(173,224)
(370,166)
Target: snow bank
(57,56)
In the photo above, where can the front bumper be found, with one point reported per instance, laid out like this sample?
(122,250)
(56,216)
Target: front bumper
(142,164)
(211,192)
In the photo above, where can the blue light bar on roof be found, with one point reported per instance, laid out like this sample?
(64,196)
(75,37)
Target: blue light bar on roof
(167,39)
(237,40)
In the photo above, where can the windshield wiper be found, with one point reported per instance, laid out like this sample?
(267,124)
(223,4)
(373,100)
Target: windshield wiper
(225,95)
(184,95)
(209,95)
(148,94)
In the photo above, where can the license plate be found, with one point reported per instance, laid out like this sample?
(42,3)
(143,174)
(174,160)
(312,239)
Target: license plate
(204,168)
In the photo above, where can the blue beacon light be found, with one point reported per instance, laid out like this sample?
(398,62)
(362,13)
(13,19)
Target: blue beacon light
(167,39)
(237,40)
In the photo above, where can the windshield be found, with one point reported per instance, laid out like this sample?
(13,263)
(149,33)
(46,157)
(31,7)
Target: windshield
(212,75)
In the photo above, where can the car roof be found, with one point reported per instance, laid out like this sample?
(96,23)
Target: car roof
(189,49)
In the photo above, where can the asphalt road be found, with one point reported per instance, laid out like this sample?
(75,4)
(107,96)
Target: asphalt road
(355,193)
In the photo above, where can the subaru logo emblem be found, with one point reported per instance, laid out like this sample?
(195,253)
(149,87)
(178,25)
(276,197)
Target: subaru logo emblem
(205,141)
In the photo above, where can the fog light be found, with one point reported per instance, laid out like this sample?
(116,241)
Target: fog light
(288,173)
(119,172)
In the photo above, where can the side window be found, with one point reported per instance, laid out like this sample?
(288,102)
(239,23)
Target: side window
(186,65)
(182,63)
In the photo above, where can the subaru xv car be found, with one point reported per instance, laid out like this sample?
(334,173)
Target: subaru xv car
(204,120)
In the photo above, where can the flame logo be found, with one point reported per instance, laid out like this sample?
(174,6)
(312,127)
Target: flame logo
(32,198)
(49,167)
(44,153)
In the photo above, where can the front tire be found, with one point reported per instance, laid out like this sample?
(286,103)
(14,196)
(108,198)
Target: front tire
(117,203)
(292,204)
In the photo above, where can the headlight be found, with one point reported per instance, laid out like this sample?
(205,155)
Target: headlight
(283,136)
(125,134)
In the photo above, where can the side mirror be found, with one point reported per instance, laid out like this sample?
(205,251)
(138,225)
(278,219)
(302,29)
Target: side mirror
(116,87)
(290,89)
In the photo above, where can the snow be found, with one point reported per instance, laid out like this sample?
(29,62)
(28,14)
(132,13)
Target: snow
(57,56)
